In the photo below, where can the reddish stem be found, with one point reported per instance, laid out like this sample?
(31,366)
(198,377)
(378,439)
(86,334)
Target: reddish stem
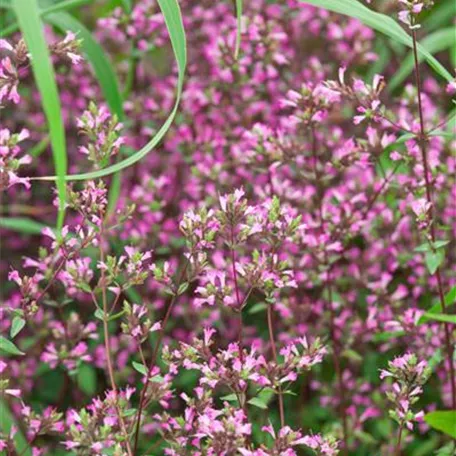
(155,353)
(397,451)
(428,184)
(238,295)
(108,348)
(328,286)
(274,354)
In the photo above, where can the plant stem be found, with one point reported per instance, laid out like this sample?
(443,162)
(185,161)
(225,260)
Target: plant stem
(274,354)
(108,348)
(428,184)
(328,286)
(397,451)
(238,296)
(142,399)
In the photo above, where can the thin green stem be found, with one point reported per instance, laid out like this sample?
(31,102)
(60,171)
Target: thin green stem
(429,187)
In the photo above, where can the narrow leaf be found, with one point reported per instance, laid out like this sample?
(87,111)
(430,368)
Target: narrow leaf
(380,22)
(238,29)
(22,225)
(28,16)
(174,24)
(435,42)
(440,317)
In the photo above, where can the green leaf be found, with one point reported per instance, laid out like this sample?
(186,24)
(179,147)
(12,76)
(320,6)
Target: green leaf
(445,318)
(380,22)
(238,28)
(87,379)
(440,244)
(258,307)
(352,355)
(97,57)
(16,326)
(28,16)
(7,421)
(439,14)
(425,247)
(257,402)
(8,347)
(182,288)
(53,8)
(442,420)
(140,368)
(435,42)
(387,335)
(434,259)
(229,398)
(22,225)
(450,299)
(174,24)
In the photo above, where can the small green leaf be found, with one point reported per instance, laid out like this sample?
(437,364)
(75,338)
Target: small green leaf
(8,347)
(182,288)
(442,420)
(352,355)
(257,402)
(440,244)
(423,247)
(87,379)
(434,260)
(99,314)
(140,368)
(387,335)
(229,398)
(258,307)
(16,326)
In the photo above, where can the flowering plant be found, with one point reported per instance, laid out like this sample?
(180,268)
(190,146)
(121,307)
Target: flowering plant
(272,276)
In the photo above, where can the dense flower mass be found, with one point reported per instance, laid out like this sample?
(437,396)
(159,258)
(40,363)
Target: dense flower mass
(275,277)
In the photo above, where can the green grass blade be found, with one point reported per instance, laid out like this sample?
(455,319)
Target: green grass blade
(6,422)
(440,14)
(105,74)
(174,24)
(382,24)
(28,16)
(435,42)
(238,30)
(21,225)
(61,6)
(98,59)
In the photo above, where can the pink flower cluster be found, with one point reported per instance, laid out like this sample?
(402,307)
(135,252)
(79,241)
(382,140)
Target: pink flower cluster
(237,290)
